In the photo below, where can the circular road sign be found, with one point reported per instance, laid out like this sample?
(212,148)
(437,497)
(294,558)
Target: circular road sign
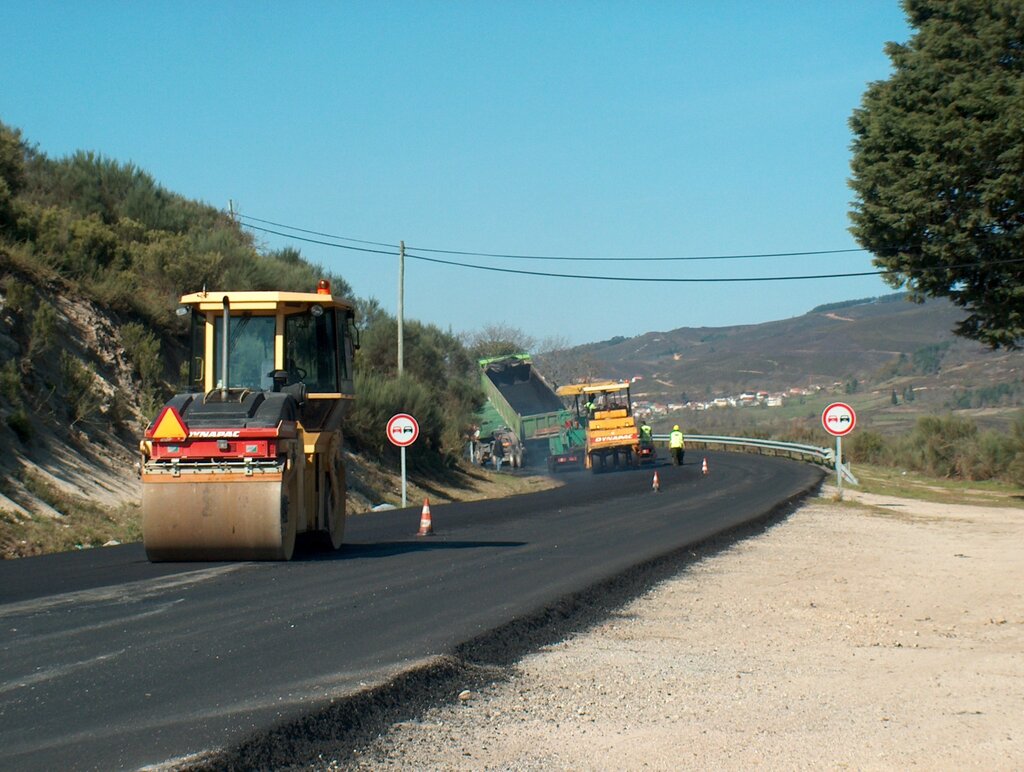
(838,419)
(403,430)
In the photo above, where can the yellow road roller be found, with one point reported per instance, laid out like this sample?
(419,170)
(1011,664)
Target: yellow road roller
(250,456)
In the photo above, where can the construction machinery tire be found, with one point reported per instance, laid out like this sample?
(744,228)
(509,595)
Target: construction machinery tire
(333,503)
(200,516)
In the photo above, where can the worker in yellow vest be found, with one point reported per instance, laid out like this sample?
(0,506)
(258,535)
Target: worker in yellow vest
(646,433)
(676,445)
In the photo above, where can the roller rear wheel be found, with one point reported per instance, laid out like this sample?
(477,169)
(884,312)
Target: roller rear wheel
(334,514)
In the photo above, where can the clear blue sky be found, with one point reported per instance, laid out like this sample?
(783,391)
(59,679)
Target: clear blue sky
(581,129)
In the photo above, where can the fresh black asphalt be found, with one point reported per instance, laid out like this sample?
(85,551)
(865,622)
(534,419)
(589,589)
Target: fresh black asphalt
(110,662)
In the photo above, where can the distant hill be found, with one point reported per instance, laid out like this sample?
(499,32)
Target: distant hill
(875,341)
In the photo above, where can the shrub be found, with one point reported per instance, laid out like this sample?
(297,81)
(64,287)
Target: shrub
(92,247)
(988,457)
(379,398)
(143,350)
(19,297)
(21,425)
(43,332)
(10,383)
(936,444)
(81,394)
(867,447)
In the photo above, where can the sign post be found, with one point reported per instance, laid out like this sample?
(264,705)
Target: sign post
(839,420)
(403,431)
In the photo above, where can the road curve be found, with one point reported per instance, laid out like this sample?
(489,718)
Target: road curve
(110,662)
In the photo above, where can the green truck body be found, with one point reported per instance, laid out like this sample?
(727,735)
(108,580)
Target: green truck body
(526,404)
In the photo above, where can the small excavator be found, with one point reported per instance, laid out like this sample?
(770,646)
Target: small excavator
(250,457)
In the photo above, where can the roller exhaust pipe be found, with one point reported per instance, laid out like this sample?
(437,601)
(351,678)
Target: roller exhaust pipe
(224,353)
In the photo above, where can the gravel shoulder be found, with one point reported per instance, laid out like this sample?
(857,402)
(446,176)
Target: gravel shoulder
(872,633)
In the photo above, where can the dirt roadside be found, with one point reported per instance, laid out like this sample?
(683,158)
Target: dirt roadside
(873,633)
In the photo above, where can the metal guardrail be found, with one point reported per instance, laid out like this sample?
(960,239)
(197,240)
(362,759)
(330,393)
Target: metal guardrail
(795,450)
(825,456)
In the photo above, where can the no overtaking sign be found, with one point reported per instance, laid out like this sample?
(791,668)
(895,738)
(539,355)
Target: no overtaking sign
(838,419)
(403,430)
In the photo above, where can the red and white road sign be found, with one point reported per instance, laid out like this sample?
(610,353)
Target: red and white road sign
(838,419)
(403,430)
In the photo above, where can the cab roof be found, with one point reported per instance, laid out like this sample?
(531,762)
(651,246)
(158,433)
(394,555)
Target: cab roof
(595,387)
(249,300)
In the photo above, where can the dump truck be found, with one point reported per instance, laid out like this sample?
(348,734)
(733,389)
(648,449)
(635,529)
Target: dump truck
(612,434)
(498,447)
(249,457)
(520,401)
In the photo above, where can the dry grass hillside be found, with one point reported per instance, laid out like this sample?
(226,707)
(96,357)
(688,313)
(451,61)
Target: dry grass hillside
(878,342)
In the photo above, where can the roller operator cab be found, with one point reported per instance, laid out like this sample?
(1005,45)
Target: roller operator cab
(251,455)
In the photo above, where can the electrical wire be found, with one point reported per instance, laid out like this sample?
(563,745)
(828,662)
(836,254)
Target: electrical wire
(324,243)
(548,274)
(314,233)
(553,257)
(639,259)
(640,278)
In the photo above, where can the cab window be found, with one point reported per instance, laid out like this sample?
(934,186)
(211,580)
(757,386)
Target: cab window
(311,351)
(250,351)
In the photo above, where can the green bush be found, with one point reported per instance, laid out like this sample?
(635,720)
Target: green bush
(92,247)
(80,392)
(928,360)
(19,297)
(937,444)
(20,302)
(21,424)
(44,331)
(867,447)
(379,398)
(988,457)
(143,350)
(10,383)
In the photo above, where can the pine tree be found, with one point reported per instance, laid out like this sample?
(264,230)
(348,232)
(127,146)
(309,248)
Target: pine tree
(938,164)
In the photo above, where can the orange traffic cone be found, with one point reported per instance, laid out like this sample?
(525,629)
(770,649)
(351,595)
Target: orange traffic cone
(426,524)
(704,466)
(656,485)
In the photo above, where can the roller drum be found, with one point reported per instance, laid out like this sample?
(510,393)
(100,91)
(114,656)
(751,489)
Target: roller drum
(200,516)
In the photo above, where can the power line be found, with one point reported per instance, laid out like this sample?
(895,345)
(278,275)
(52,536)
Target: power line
(639,259)
(554,257)
(639,278)
(324,243)
(315,233)
(548,274)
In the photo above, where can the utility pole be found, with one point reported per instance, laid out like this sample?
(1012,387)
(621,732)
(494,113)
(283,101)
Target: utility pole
(401,307)
(231,209)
